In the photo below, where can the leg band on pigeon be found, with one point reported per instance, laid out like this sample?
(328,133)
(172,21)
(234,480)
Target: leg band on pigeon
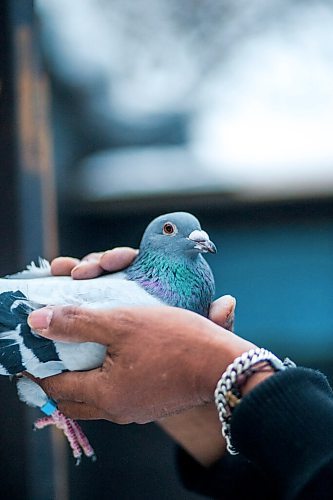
(49,407)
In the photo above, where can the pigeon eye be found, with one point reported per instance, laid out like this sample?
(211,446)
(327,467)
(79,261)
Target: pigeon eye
(169,228)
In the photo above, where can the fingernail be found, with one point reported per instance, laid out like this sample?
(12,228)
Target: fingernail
(40,319)
(82,266)
(83,263)
(230,300)
(230,318)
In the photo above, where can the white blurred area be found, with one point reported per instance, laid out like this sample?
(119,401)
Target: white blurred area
(272,128)
(254,80)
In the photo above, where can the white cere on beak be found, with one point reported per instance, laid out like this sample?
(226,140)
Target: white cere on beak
(198,235)
(203,243)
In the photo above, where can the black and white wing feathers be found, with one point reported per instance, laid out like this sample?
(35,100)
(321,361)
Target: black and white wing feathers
(20,349)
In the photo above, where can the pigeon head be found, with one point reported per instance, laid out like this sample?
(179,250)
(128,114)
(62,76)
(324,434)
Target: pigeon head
(177,232)
(170,264)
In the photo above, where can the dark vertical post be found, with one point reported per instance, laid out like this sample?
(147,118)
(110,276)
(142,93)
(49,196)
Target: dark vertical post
(27,227)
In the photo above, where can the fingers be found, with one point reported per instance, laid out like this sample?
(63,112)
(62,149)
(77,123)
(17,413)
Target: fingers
(88,267)
(222,312)
(72,324)
(94,264)
(86,270)
(117,258)
(62,266)
(92,256)
(81,411)
(70,384)
(78,387)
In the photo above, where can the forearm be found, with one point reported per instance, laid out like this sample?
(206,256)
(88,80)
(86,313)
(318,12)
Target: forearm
(198,431)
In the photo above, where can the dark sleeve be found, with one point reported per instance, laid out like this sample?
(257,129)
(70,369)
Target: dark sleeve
(284,431)
(231,478)
(285,426)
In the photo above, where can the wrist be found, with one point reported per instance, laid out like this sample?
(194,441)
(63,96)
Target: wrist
(230,388)
(217,354)
(255,380)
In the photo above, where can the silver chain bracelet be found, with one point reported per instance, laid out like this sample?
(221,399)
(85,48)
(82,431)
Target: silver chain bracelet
(227,392)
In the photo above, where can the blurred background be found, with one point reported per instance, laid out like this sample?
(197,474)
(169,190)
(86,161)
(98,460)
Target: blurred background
(115,111)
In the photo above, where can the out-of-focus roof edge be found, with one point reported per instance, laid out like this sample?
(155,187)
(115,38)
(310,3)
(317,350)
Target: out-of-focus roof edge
(209,200)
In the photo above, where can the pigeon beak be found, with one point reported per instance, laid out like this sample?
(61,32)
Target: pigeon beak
(202,241)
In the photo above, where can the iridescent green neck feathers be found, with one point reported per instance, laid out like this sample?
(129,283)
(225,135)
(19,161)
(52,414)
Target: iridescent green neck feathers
(179,281)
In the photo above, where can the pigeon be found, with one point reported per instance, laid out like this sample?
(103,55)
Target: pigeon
(169,269)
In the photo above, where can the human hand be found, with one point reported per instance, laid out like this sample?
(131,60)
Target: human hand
(198,429)
(94,264)
(222,310)
(159,361)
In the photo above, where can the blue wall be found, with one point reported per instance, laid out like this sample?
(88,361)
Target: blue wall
(281,272)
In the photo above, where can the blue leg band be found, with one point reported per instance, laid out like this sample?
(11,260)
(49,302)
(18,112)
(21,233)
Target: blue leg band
(49,407)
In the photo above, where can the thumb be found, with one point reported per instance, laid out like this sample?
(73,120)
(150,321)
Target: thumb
(71,324)
(222,312)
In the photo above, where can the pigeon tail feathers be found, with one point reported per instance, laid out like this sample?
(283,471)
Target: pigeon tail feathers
(40,270)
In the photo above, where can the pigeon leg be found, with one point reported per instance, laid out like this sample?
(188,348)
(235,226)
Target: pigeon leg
(65,424)
(88,450)
(73,432)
